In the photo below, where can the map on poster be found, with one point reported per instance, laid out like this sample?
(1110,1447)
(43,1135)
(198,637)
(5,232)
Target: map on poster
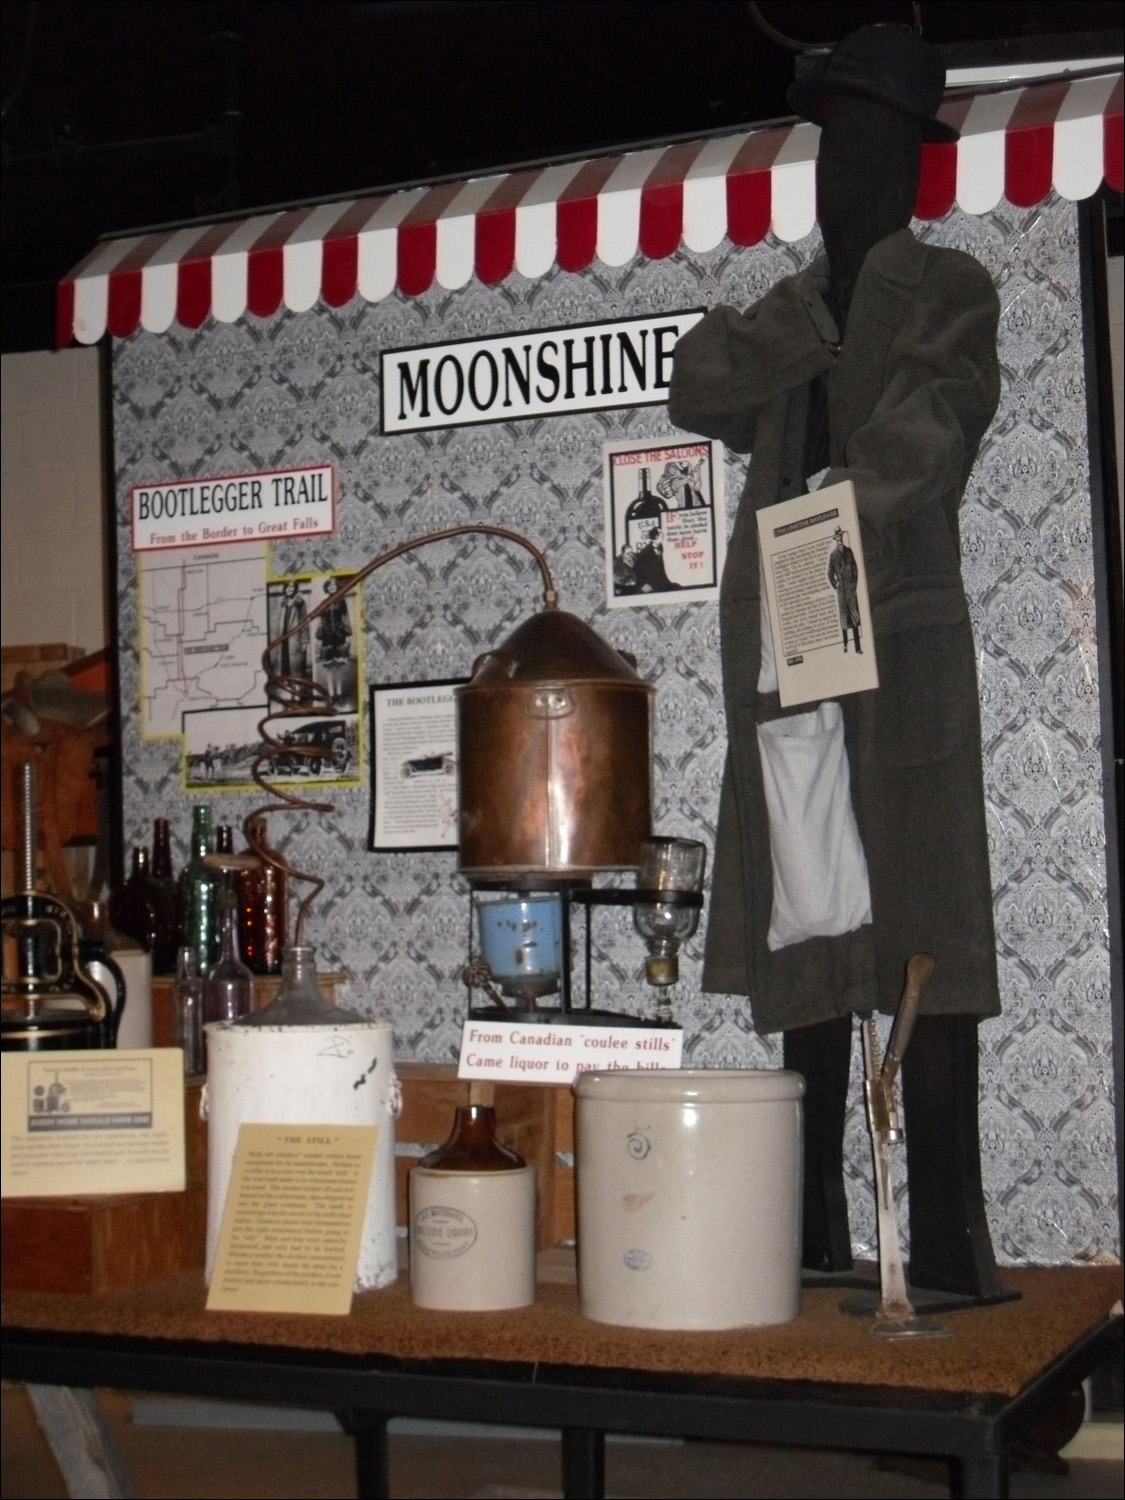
(201,632)
(205,618)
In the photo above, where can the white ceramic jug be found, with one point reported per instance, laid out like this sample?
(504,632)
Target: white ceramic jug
(306,1075)
(689,1197)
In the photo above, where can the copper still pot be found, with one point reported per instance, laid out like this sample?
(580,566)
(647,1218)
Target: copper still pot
(555,754)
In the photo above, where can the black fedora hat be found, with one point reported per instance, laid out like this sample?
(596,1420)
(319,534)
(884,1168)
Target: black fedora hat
(889,64)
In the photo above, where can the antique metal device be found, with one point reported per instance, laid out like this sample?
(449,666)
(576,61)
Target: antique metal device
(555,732)
(48,998)
(555,749)
(895,1317)
(668,898)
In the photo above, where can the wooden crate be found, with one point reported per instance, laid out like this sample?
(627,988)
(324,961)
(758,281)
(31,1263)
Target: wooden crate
(101,1244)
(563,1202)
(104,1243)
(54,656)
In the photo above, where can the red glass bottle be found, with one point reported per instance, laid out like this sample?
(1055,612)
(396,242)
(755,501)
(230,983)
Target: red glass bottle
(263,893)
(133,907)
(166,894)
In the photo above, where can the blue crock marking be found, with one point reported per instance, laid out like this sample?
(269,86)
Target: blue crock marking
(638,1260)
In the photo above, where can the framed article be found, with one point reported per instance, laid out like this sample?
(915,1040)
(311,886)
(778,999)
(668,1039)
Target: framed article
(414,765)
(220,738)
(664,529)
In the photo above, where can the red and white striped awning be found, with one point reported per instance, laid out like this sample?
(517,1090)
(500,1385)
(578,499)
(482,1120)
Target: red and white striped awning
(1017,144)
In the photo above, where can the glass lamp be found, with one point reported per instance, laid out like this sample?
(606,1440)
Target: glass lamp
(666,913)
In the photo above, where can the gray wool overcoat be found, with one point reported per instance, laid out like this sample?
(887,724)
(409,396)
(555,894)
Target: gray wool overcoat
(910,394)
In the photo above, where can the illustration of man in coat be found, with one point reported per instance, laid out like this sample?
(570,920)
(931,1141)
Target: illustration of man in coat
(843,575)
(293,653)
(877,362)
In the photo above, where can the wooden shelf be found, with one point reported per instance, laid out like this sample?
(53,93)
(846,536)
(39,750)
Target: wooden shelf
(99,1244)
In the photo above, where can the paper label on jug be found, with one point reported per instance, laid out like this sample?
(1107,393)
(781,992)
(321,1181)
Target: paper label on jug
(444,1233)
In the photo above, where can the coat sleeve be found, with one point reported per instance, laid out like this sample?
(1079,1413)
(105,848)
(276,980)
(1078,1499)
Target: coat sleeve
(909,457)
(731,364)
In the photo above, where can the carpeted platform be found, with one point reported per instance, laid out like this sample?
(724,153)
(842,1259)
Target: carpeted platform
(993,1351)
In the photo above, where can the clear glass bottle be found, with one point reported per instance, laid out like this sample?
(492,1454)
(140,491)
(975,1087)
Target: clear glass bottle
(673,868)
(229,990)
(299,1001)
(187,1013)
(201,890)
(166,893)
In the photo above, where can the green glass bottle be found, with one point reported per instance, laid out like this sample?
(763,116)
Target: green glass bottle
(201,890)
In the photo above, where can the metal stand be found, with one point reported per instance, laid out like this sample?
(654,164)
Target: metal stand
(585,895)
(81,1441)
(895,1317)
(583,1463)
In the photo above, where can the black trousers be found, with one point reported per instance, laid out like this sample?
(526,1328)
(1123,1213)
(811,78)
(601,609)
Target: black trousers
(950,1246)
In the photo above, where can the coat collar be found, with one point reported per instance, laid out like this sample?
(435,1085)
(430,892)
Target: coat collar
(900,258)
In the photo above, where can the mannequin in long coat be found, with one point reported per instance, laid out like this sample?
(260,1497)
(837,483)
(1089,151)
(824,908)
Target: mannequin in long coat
(878,361)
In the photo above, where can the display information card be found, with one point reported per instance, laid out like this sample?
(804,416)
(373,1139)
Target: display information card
(293,1216)
(816,592)
(545,1053)
(414,765)
(83,1122)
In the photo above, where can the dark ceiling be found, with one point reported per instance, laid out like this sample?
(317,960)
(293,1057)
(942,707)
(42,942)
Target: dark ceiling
(120,114)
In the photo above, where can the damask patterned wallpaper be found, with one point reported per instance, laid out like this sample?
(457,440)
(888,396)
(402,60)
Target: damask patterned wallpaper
(298,389)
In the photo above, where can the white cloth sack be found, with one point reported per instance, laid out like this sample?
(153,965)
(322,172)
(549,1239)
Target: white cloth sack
(820,885)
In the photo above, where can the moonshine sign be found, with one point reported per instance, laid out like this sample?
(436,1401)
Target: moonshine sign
(228,508)
(545,372)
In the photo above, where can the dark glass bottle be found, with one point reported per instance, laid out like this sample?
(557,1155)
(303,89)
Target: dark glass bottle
(472,1145)
(643,515)
(167,896)
(263,892)
(229,990)
(161,850)
(201,889)
(133,908)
